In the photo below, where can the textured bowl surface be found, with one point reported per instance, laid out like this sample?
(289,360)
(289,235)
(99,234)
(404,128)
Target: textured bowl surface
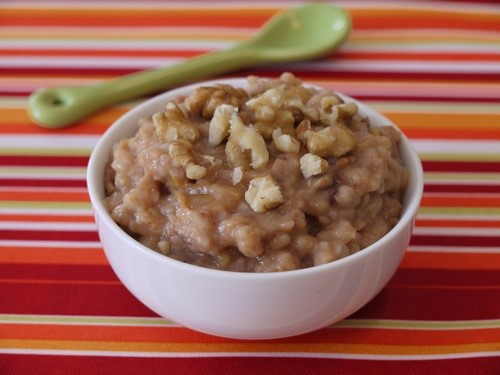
(242,305)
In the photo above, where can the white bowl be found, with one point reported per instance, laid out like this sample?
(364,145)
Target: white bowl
(248,305)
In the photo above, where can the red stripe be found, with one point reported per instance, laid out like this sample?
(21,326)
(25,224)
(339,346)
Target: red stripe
(104,299)
(446,277)
(112,299)
(411,294)
(49,235)
(44,161)
(56,364)
(424,303)
(28,182)
(332,73)
(452,188)
(395,98)
(57,272)
(461,166)
(104,273)
(455,241)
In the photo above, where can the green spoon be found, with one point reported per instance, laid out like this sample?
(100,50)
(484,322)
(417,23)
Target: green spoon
(300,33)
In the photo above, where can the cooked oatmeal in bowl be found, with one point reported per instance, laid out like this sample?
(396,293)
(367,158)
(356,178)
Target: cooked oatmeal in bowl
(272,176)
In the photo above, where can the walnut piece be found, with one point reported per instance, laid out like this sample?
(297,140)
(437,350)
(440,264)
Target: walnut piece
(237,175)
(218,129)
(263,194)
(312,165)
(205,100)
(331,141)
(285,142)
(332,109)
(268,113)
(248,138)
(183,155)
(172,124)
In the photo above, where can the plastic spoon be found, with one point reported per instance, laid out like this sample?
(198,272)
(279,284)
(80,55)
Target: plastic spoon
(300,33)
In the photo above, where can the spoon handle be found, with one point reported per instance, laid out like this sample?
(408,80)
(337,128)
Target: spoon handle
(59,107)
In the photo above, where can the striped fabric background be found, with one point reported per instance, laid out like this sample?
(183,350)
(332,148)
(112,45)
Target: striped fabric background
(433,67)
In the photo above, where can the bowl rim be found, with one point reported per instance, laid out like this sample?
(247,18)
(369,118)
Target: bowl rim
(102,150)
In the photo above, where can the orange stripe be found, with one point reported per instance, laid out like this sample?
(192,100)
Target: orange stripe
(414,124)
(422,18)
(16,121)
(446,125)
(251,17)
(39,196)
(461,261)
(53,255)
(246,347)
(246,17)
(102,53)
(380,336)
(460,201)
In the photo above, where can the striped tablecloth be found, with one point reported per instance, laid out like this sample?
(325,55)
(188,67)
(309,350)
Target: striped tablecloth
(433,67)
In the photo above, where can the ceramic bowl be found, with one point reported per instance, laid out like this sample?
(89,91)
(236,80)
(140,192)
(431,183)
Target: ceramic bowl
(247,305)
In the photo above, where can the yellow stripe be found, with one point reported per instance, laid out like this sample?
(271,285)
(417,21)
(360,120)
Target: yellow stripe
(250,347)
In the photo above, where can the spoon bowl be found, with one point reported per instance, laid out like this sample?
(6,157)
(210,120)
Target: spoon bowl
(300,33)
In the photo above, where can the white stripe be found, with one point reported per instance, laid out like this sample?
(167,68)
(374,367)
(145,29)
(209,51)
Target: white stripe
(108,43)
(340,64)
(52,141)
(451,146)
(76,244)
(59,226)
(43,172)
(457,232)
(48,245)
(356,356)
(454,249)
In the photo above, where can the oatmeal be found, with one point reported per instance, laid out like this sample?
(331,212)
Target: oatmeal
(277,176)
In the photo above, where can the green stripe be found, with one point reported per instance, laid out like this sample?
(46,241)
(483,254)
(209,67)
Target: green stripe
(46,151)
(415,324)
(471,211)
(45,205)
(347,323)
(458,157)
(83,320)
(462,176)
(46,172)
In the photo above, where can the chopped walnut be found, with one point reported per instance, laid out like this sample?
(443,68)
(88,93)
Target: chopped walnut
(219,125)
(332,109)
(236,156)
(330,141)
(248,138)
(172,124)
(183,155)
(268,113)
(263,194)
(205,100)
(285,142)
(347,110)
(237,175)
(312,165)
(304,126)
